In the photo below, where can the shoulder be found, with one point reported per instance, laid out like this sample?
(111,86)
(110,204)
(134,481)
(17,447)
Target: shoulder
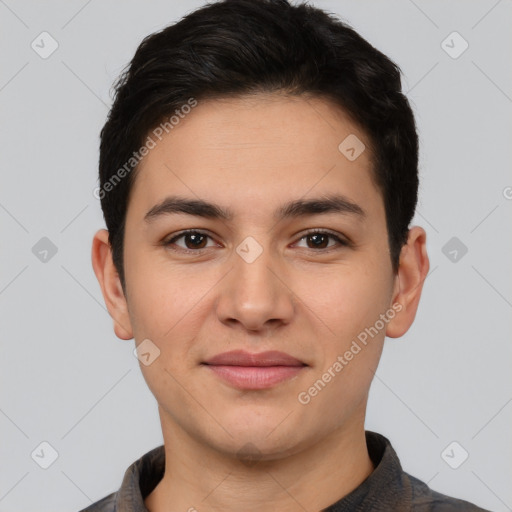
(424,499)
(106,504)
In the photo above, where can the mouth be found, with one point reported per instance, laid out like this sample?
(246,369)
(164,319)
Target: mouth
(245,370)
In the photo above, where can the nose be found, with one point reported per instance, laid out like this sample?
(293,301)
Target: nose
(254,295)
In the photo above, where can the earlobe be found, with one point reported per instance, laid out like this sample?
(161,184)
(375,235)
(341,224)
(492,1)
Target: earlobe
(110,283)
(413,269)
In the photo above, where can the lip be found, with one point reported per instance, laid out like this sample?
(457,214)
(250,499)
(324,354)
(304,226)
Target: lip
(245,370)
(243,358)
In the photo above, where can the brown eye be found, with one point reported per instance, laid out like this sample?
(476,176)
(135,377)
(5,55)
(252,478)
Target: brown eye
(189,240)
(195,240)
(318,240)
(322,240)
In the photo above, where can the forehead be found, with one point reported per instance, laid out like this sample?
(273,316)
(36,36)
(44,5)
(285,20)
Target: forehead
(256,151)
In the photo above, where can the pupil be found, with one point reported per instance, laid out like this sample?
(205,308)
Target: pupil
(196,239)
(318,240)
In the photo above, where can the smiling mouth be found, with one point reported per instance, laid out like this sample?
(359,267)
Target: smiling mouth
(245,370)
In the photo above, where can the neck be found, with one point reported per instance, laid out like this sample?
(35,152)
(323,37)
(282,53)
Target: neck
(199,477)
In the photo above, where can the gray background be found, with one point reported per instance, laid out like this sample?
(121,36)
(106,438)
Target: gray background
(67,380)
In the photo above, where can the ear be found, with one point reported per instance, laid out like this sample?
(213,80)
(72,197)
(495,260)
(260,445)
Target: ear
(110,284)
(412,271)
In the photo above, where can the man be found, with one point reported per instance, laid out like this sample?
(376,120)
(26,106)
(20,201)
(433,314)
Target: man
(258,174)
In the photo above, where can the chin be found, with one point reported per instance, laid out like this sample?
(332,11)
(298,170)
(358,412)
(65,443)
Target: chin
(265,440)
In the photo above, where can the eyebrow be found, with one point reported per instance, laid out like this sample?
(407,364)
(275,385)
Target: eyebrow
(298,208)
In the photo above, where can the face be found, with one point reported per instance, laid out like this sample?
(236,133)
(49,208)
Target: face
(289,254)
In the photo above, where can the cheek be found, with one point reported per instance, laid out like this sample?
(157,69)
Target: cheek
(346,299)
(349,352)
(162,305)
(168,303)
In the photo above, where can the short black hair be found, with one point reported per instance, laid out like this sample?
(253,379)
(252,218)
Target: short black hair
(234,48)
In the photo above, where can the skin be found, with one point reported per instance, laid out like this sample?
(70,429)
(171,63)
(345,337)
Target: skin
(252,155)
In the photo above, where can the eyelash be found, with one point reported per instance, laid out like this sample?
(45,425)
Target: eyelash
(342,242)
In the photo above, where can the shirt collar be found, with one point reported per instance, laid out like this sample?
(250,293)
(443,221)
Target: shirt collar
(385,489)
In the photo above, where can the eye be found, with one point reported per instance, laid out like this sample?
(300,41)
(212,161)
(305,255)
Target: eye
(191,240)
(318,239)
(194,240)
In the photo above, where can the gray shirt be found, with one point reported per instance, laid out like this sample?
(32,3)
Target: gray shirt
(388,488)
